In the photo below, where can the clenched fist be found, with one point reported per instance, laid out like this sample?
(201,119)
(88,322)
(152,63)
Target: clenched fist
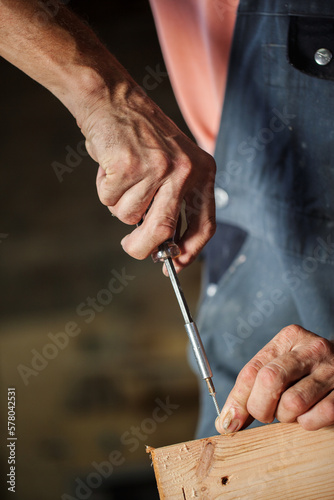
(143,156)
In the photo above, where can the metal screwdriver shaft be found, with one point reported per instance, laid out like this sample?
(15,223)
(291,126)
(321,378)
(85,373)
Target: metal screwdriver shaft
(165,253)
(178,290)
(190,325)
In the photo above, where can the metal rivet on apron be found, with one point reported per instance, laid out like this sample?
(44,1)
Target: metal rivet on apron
(211,289)
(221,197)
(323,56)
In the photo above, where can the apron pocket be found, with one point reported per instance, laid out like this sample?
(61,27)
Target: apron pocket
(311,46)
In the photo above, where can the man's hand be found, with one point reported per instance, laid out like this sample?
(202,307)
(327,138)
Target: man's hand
(142,155)
(291,378)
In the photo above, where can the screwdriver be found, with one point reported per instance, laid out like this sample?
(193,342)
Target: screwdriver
(165,253)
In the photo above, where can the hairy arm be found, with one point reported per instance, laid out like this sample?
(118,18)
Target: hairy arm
(141,153)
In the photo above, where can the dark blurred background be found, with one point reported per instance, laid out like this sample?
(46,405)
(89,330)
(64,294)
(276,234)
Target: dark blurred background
(87,404)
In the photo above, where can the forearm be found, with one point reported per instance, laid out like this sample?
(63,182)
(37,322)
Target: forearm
(61,53)
(141,153)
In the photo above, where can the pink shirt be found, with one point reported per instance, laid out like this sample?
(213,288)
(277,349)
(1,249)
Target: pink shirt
(195,37)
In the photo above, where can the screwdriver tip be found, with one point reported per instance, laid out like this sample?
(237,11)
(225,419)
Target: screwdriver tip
(216,404)
(212,392)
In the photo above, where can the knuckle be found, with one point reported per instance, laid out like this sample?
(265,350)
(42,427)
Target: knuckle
(264,419)
(133,250)
(209,227)
(207,171)
(291,331)
(207,159)
(135,253)
(127,160)
(288,336)
(106,198)
(321,347)
(106,192)
(206,234)
(127,217)
(259,413)
(211,165)
(271,377)
(320,416)
(161,163)
(163,228)
(184,165)
(294,403)
(271,350)
(293,328)
(249,372)
(207,230)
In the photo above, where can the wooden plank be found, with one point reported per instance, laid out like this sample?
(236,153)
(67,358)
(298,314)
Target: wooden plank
(265,463)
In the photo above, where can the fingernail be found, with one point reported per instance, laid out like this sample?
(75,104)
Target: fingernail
(230,424)
(224,420)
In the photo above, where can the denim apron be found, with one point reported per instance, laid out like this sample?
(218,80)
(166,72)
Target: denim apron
(271,262)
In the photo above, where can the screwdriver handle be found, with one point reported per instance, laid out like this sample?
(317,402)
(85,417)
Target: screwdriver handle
(168,249)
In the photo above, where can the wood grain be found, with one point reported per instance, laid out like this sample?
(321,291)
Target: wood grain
(273,462)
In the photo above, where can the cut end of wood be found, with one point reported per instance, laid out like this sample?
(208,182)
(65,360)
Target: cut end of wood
(149,449)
